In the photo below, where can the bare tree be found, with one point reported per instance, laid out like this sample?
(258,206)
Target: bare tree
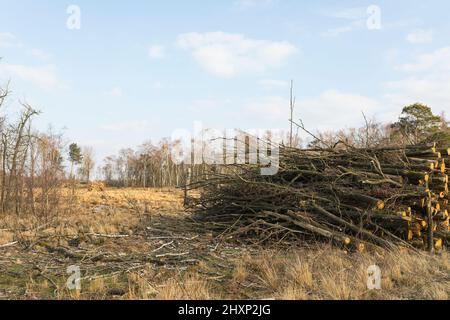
(15,142)
(30,164)
(291,119)
(87,163)
(151,166)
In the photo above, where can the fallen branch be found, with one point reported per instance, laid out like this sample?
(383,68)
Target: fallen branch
(7,245)
(112,236)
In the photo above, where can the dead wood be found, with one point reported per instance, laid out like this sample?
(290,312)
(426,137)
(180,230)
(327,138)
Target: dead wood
(387,197)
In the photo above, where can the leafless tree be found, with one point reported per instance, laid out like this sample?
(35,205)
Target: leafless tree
(150,166)
(30,164)
(87,163)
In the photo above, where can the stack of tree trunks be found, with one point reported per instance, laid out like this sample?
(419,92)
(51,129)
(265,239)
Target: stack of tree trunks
(388,197)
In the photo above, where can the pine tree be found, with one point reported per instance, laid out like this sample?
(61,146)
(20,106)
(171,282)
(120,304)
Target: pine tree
(75,157)
(417,123)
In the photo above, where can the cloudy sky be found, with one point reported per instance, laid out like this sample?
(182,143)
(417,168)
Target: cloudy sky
(138,70)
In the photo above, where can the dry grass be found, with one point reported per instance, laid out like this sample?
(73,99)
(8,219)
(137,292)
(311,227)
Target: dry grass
(6,237)
(139,200)
(164,256)
(191,286)
(319,273)
(113,211)
(329,273)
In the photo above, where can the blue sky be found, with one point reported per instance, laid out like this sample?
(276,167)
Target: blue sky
(138,70)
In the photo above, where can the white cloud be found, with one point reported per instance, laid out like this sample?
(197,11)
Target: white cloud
(334,109)
(225,54)
(438,60)
(44,77)
(8,40)
(426,79)
(156,52)
(331,110)
(429,90)
(420,37)
(116,92)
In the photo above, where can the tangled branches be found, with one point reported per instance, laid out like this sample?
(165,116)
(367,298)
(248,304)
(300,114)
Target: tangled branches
(353,197)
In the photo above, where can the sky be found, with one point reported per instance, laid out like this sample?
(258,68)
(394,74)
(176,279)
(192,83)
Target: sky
(113,74)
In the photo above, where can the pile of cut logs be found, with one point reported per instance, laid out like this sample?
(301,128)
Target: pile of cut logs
(388,197)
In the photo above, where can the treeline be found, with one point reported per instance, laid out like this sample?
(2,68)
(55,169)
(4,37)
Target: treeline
(416,125)
(32,169)
(151,165)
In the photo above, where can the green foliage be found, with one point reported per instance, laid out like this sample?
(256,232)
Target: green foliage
(75,155)
(441,137)
(417,123)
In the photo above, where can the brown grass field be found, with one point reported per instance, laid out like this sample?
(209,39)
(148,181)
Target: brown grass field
(141,244)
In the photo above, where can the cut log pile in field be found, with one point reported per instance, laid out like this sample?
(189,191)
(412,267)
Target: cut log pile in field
(352,197)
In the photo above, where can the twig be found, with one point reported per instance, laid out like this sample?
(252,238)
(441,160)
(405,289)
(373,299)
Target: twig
(163,246)
(8,244)
(112,236)
(172,255)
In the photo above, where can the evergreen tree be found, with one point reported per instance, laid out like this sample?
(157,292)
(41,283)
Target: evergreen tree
(417,123)
(75,157)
